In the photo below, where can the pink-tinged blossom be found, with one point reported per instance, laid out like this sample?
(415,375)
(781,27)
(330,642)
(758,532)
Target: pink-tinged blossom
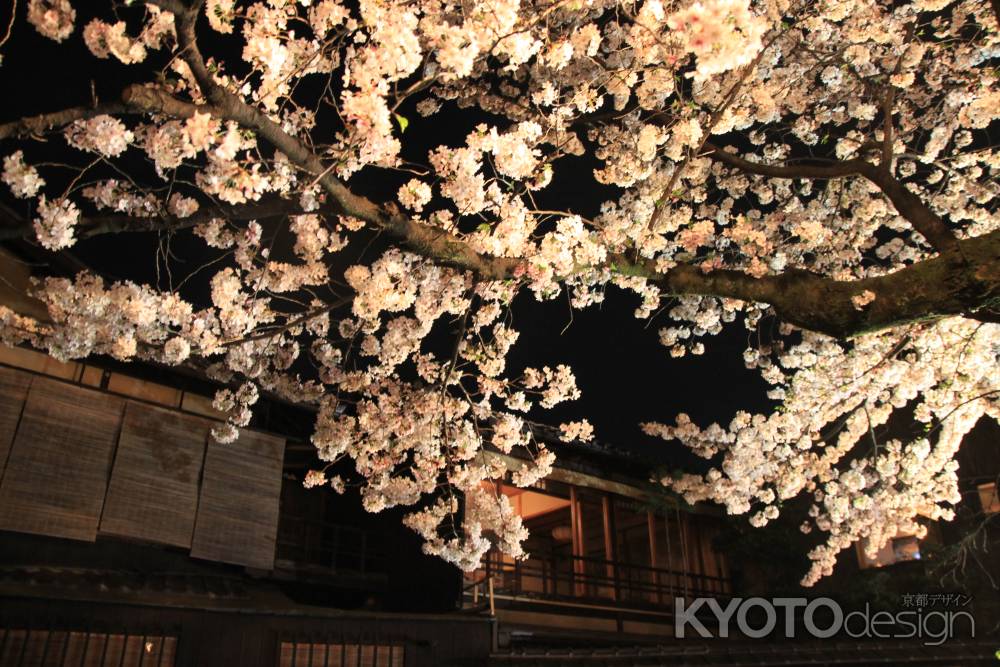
(314,478)
(338,484)
(538,468)
(52,18)
(862,299)
(326,15)
(411,421)
(117,196)
(722,34)
(201,129)
(176,350)
(181,206)
(220,15)
(22,178)
(102,134)
(105,40)
(579,430)
(414,195)
(56,223)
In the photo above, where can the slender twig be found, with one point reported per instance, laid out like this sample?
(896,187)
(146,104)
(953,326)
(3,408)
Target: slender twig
(10,24)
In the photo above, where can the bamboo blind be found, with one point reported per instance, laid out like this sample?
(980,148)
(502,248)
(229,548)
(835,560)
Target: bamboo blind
(238,509)
(74,460)
(59,464)
(13,390)
(153,493)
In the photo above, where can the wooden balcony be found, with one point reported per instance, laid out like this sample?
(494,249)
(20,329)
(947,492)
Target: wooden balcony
(594,581)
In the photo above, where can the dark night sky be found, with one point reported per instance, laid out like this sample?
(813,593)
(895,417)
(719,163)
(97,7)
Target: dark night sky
(626,376)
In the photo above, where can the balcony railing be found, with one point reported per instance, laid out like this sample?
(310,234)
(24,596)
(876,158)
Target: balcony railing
(582,578)
(330,546)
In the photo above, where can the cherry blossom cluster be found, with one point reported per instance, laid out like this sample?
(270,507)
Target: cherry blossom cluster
(692,115)
(834,397)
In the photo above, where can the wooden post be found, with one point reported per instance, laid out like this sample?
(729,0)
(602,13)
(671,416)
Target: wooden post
(682,527)
(653,561)
(611,556)
(364,549)
(554,572)
(723,561)
(670,555)
(577,533)
(699,545)
(493,609)
(611,564)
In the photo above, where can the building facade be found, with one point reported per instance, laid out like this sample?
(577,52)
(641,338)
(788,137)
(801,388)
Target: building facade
(129,537)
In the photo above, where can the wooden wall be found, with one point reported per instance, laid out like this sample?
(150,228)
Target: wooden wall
(253,638)
(76,462)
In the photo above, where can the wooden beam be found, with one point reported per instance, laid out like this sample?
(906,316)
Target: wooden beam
(670,555)
(651,493)
(577,534)
(653,562)
(609,547)
(682,528)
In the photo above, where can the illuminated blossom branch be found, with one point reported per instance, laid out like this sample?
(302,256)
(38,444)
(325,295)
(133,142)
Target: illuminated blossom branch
(826,164)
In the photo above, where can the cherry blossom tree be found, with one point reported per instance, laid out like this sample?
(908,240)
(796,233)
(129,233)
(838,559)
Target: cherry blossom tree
(828,164)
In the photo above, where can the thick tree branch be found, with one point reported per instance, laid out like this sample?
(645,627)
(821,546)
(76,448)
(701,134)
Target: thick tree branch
(25,127)
(908,205)
(913,209)
(14,226)
(836,169)
(964,280)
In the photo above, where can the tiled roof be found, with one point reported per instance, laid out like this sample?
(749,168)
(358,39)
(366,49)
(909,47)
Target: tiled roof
(738,654)
(84,581)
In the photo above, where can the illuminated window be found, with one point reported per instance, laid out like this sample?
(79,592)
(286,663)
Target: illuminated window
(899,549)
(988,497)
(307,654)
(84,649)
(905,548)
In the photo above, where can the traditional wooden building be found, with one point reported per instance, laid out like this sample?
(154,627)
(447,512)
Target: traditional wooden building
(114,501)
(128,537)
